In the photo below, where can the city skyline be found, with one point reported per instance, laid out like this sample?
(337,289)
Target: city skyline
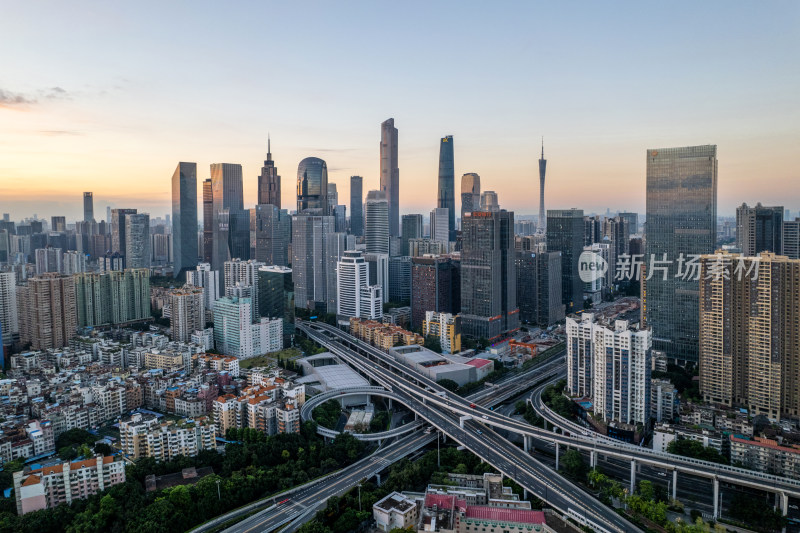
(68,111)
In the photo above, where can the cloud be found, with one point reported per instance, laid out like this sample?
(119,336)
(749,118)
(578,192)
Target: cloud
(54,133)
(10,99)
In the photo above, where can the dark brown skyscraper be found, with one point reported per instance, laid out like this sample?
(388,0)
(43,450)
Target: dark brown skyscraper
(269,182)
(390,174)
(208,220)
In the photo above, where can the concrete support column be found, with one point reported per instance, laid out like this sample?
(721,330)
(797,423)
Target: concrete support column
(592,458)
(557,452)
(633,476)
(378,479)
(526,443)
(674,484)
(390,404)
(716,498)
(784,503)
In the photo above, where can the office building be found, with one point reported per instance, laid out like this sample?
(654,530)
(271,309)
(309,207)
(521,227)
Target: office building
(470,193)
(112,297)
(352,274)
(88,207)
(445,327)
(681,222)
(137,240)
(310,263)
(233,333)
(539,287)
(376,223)
(440,226)
(749,339)
(489,201)
(435,286)
(47,311)
(633,222)
(208,279)
(58,224)
(390,175)
(565,234)
(208,221)
(400,279)
(447,176)
(610,364)
(187,312)
(759,229)
(335,246)
(269,182)
(339,214)
(791,238)
(50,486)
(271,229)
(184,219)
(357,205)
(488,277)
(312,186)
(118,235)
(231,223)
(542,212)
(276,297)
(242,276)
(9,313)
(411,229)
(371,302)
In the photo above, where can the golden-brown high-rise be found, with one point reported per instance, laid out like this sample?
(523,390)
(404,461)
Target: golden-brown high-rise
(750,332)
(47,311)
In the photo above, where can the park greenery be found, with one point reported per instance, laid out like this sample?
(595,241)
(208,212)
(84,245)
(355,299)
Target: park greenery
(683,380)
(327,415)
(254,467)
(695,449)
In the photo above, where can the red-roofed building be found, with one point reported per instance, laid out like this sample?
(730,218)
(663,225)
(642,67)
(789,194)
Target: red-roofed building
(766,455)
(483,367)
(50,486)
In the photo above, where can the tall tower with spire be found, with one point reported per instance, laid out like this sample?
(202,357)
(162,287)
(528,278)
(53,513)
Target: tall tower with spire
(269,182)
(542,214)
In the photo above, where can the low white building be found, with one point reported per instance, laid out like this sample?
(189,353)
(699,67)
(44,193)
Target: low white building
(395,511)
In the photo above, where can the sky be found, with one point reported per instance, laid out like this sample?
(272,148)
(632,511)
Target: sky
(109,96)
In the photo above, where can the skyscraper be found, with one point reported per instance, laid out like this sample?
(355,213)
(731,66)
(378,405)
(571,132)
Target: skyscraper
(208,279)
(435,286)
(411,229)
(440,225)
(351,275)
(749,340)
(312,186)
(791,238)
(759,229)
(208,222)
(447,177)
(539,287)
(488,277)
(276,297)
(470,193)
(137,240)
(231,223)
(357,205)
(681,222)
(58,224)
(9,314)
(489,201)
(118,240)
(565,234)
(88,207)
(48,317)
(184,218)
(310,263)
(271,229)
(269,182)
(390,174)
(542,170)
(376,230)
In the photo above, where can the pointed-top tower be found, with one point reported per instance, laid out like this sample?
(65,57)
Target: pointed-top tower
(269,182)
(542,214)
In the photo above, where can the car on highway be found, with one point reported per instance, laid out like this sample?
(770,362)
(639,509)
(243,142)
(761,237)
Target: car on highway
(662,474)
(485,417)
(473,405)
(282,501)
(479,432)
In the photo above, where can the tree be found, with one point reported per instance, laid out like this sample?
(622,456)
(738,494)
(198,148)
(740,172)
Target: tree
(692,448)
(433,343)
(573,465)
(448,384)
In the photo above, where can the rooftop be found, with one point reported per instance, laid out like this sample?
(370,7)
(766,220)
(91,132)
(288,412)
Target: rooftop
(501,514)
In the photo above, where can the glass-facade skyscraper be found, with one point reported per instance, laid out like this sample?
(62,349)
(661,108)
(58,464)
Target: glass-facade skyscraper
(184,218)
(357,205)
(565,234)
(88,207)
(681,222)
(488,275)
(390,174)
(231,223)
(208,221)
(312,186)
(470,193)
(412,229)
(447,179)
(276,297)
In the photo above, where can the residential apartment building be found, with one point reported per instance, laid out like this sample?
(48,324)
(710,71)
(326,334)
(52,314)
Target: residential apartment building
(145,435)
(47,311)
(446,328)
